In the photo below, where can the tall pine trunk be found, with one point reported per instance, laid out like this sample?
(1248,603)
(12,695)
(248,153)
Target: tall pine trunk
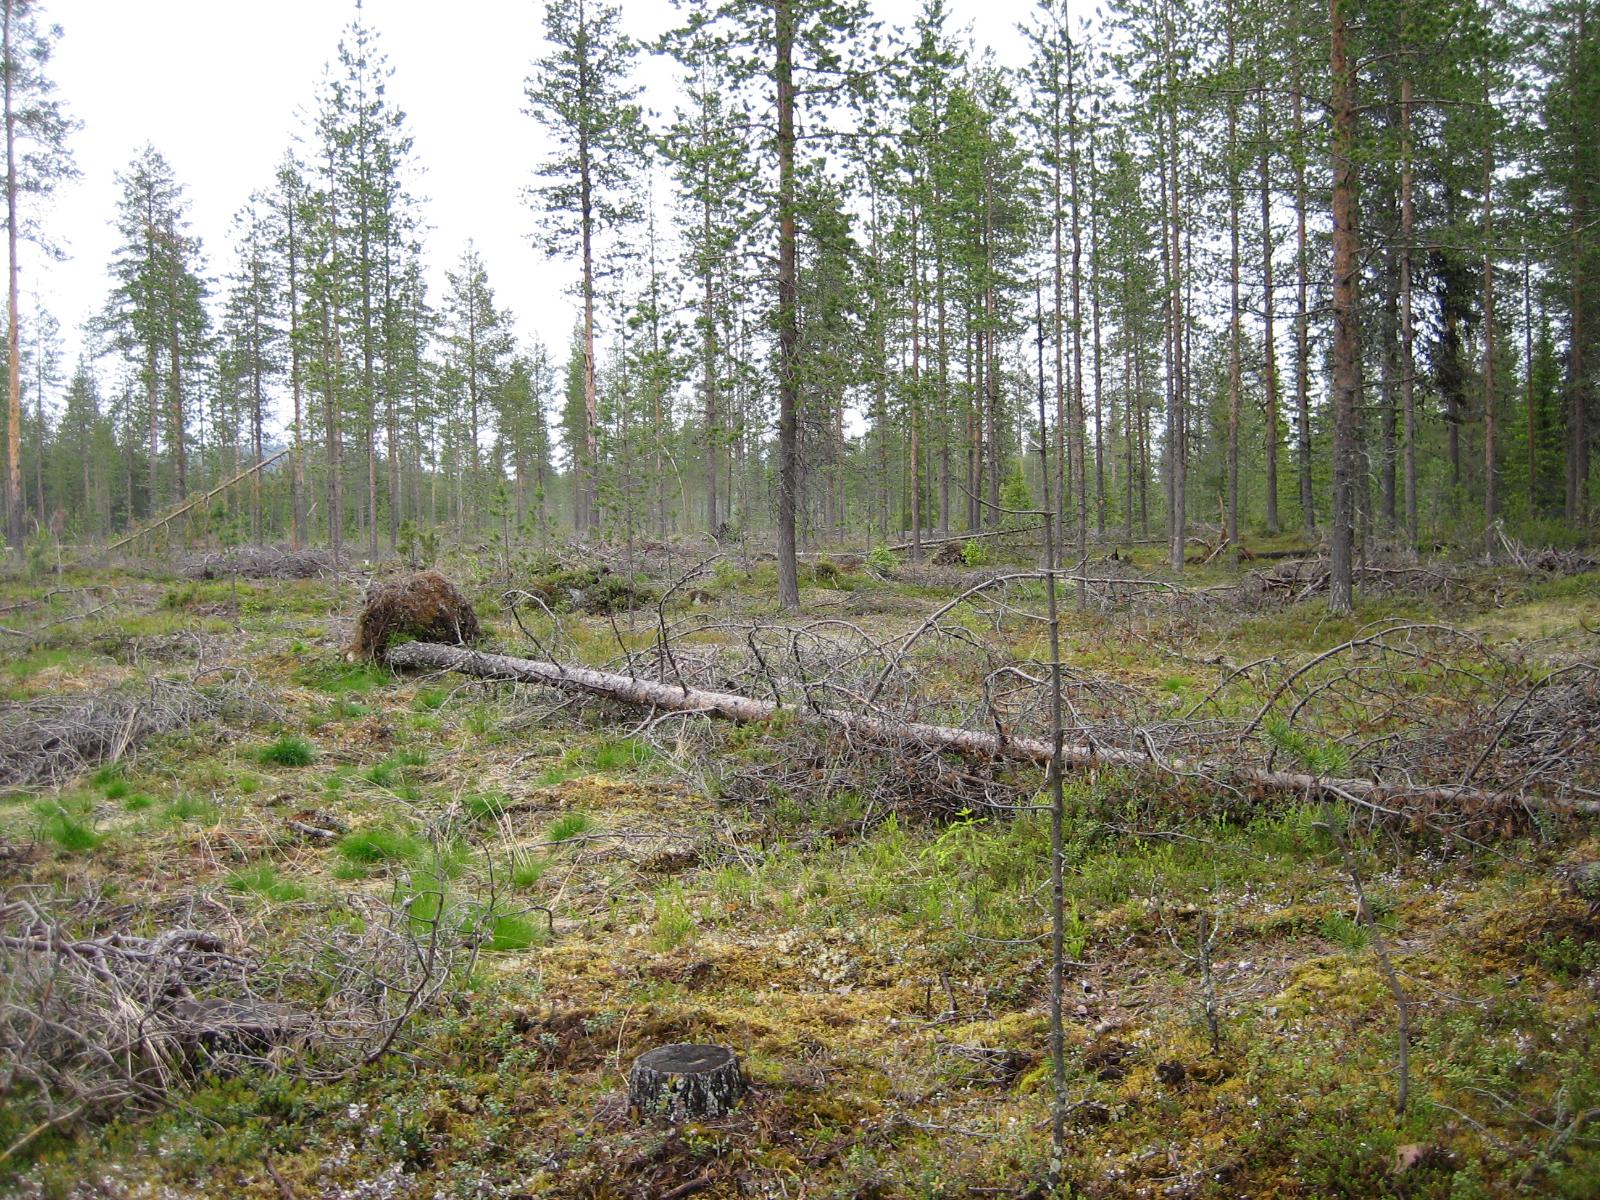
(1302,326)
(788,310)
(13,333)
(1346,341)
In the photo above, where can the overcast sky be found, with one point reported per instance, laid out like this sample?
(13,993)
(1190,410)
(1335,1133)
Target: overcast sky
(219,87)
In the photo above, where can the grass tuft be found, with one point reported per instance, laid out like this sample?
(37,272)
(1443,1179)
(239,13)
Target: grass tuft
(569,826)
(379,844)
(264,880)
(287,751)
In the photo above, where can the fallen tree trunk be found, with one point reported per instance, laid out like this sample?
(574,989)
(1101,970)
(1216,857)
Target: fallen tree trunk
(647,693)
(963,537)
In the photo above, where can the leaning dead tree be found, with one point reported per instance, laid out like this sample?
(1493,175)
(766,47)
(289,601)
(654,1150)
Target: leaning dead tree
(887,728)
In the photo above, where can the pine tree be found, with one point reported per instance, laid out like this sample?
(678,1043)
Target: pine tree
(36,131)
(155,313)
(477,346)
(252,329)
(580,92)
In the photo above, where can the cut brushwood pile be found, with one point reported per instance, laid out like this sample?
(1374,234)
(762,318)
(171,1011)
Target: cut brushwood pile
(260,562)
(49,739)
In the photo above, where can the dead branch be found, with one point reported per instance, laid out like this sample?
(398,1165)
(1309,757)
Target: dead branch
(968,743)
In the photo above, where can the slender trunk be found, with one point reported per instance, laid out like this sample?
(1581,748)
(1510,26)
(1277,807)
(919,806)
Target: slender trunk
(1346,343)
(1388,386)
(1269,329)
(13,333)
(1177,466)
(788,309)
(391,420)
(1235,368)
(1531,415)
(708,361)
(1302,325)
(1057,802)
(1490,492)
(1079,427)
(258,402)
(586,491)
(916,390)
(1094,319)
(1578,185)
(1057,322)
(1408,362)
(175,374)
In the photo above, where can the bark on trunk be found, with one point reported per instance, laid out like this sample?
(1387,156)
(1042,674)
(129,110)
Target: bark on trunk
(1346,344)
(685,1083)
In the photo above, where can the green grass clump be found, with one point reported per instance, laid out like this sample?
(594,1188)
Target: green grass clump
(485,806)
(379,844)
(526,871)
(555,776)
(191,808)
(391,772)
(674,923)
(569,826)
(265,881)
(343,708)
(620,753)
(430,699)
(342,679)
(512,932)
(288,751)
(1344,930)
(71,832)
(138,802)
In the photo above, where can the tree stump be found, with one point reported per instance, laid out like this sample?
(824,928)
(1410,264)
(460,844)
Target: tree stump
(685,1082)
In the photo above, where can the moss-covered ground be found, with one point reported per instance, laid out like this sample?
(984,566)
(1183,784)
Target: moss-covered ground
(883,977)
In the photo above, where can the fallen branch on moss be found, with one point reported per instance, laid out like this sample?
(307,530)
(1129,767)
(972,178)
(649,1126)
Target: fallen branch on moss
(1388,799)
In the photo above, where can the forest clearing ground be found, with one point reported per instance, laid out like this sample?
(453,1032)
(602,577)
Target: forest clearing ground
(881,971)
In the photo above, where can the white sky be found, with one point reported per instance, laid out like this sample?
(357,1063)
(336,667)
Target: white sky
(219,88)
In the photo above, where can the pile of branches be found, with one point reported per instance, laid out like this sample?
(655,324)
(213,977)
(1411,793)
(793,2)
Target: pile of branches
(95,1023)
(1548,560)
(95,1020)
(1298,579)
(260,562)
(50,739)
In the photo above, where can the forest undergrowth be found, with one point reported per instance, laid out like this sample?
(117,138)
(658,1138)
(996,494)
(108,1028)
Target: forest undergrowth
(277,924)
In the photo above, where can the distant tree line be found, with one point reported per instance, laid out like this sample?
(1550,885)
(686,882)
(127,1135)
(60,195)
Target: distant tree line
(1331,269)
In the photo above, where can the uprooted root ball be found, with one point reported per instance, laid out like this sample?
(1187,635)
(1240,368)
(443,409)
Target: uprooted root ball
(425,606)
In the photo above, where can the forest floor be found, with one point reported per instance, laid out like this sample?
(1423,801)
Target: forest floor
(614,882)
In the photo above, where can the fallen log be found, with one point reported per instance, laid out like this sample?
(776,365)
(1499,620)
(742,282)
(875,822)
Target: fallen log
(647,693)
(963,537)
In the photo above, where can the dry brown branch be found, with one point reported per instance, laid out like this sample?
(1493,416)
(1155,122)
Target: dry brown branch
(966,742)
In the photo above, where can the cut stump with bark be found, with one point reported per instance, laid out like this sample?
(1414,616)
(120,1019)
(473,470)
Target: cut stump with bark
(684,1082)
